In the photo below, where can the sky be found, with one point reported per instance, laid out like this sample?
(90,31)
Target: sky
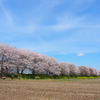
(68,30)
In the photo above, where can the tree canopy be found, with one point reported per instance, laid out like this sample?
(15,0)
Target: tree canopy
(14,60)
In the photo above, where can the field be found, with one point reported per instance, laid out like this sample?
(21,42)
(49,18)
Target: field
(72,89)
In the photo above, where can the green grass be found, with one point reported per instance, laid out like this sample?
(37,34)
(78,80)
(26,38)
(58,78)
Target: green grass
(62,77)
(30,76)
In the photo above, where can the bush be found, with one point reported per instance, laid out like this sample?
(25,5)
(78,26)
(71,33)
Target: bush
(38,76)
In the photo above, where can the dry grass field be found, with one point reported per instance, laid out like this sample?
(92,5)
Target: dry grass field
(87,89)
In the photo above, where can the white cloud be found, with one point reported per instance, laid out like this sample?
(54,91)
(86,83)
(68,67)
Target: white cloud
(80,54)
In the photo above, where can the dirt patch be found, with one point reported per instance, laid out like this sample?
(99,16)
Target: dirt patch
(88,89)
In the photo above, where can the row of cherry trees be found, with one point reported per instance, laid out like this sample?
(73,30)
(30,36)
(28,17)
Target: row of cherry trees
(13,60)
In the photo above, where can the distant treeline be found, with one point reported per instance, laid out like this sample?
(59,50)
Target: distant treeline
(13,60)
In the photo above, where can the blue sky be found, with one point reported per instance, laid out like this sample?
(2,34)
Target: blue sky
(68,30)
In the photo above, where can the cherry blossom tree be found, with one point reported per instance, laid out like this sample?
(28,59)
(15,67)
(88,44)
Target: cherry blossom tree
(96,72)
(13,60)
(45,65)
(3,56)
(84,70)
(73,69)
(64,66)
(99,72)
(93,72)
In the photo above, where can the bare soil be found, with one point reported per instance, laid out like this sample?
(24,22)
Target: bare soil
(83,89)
